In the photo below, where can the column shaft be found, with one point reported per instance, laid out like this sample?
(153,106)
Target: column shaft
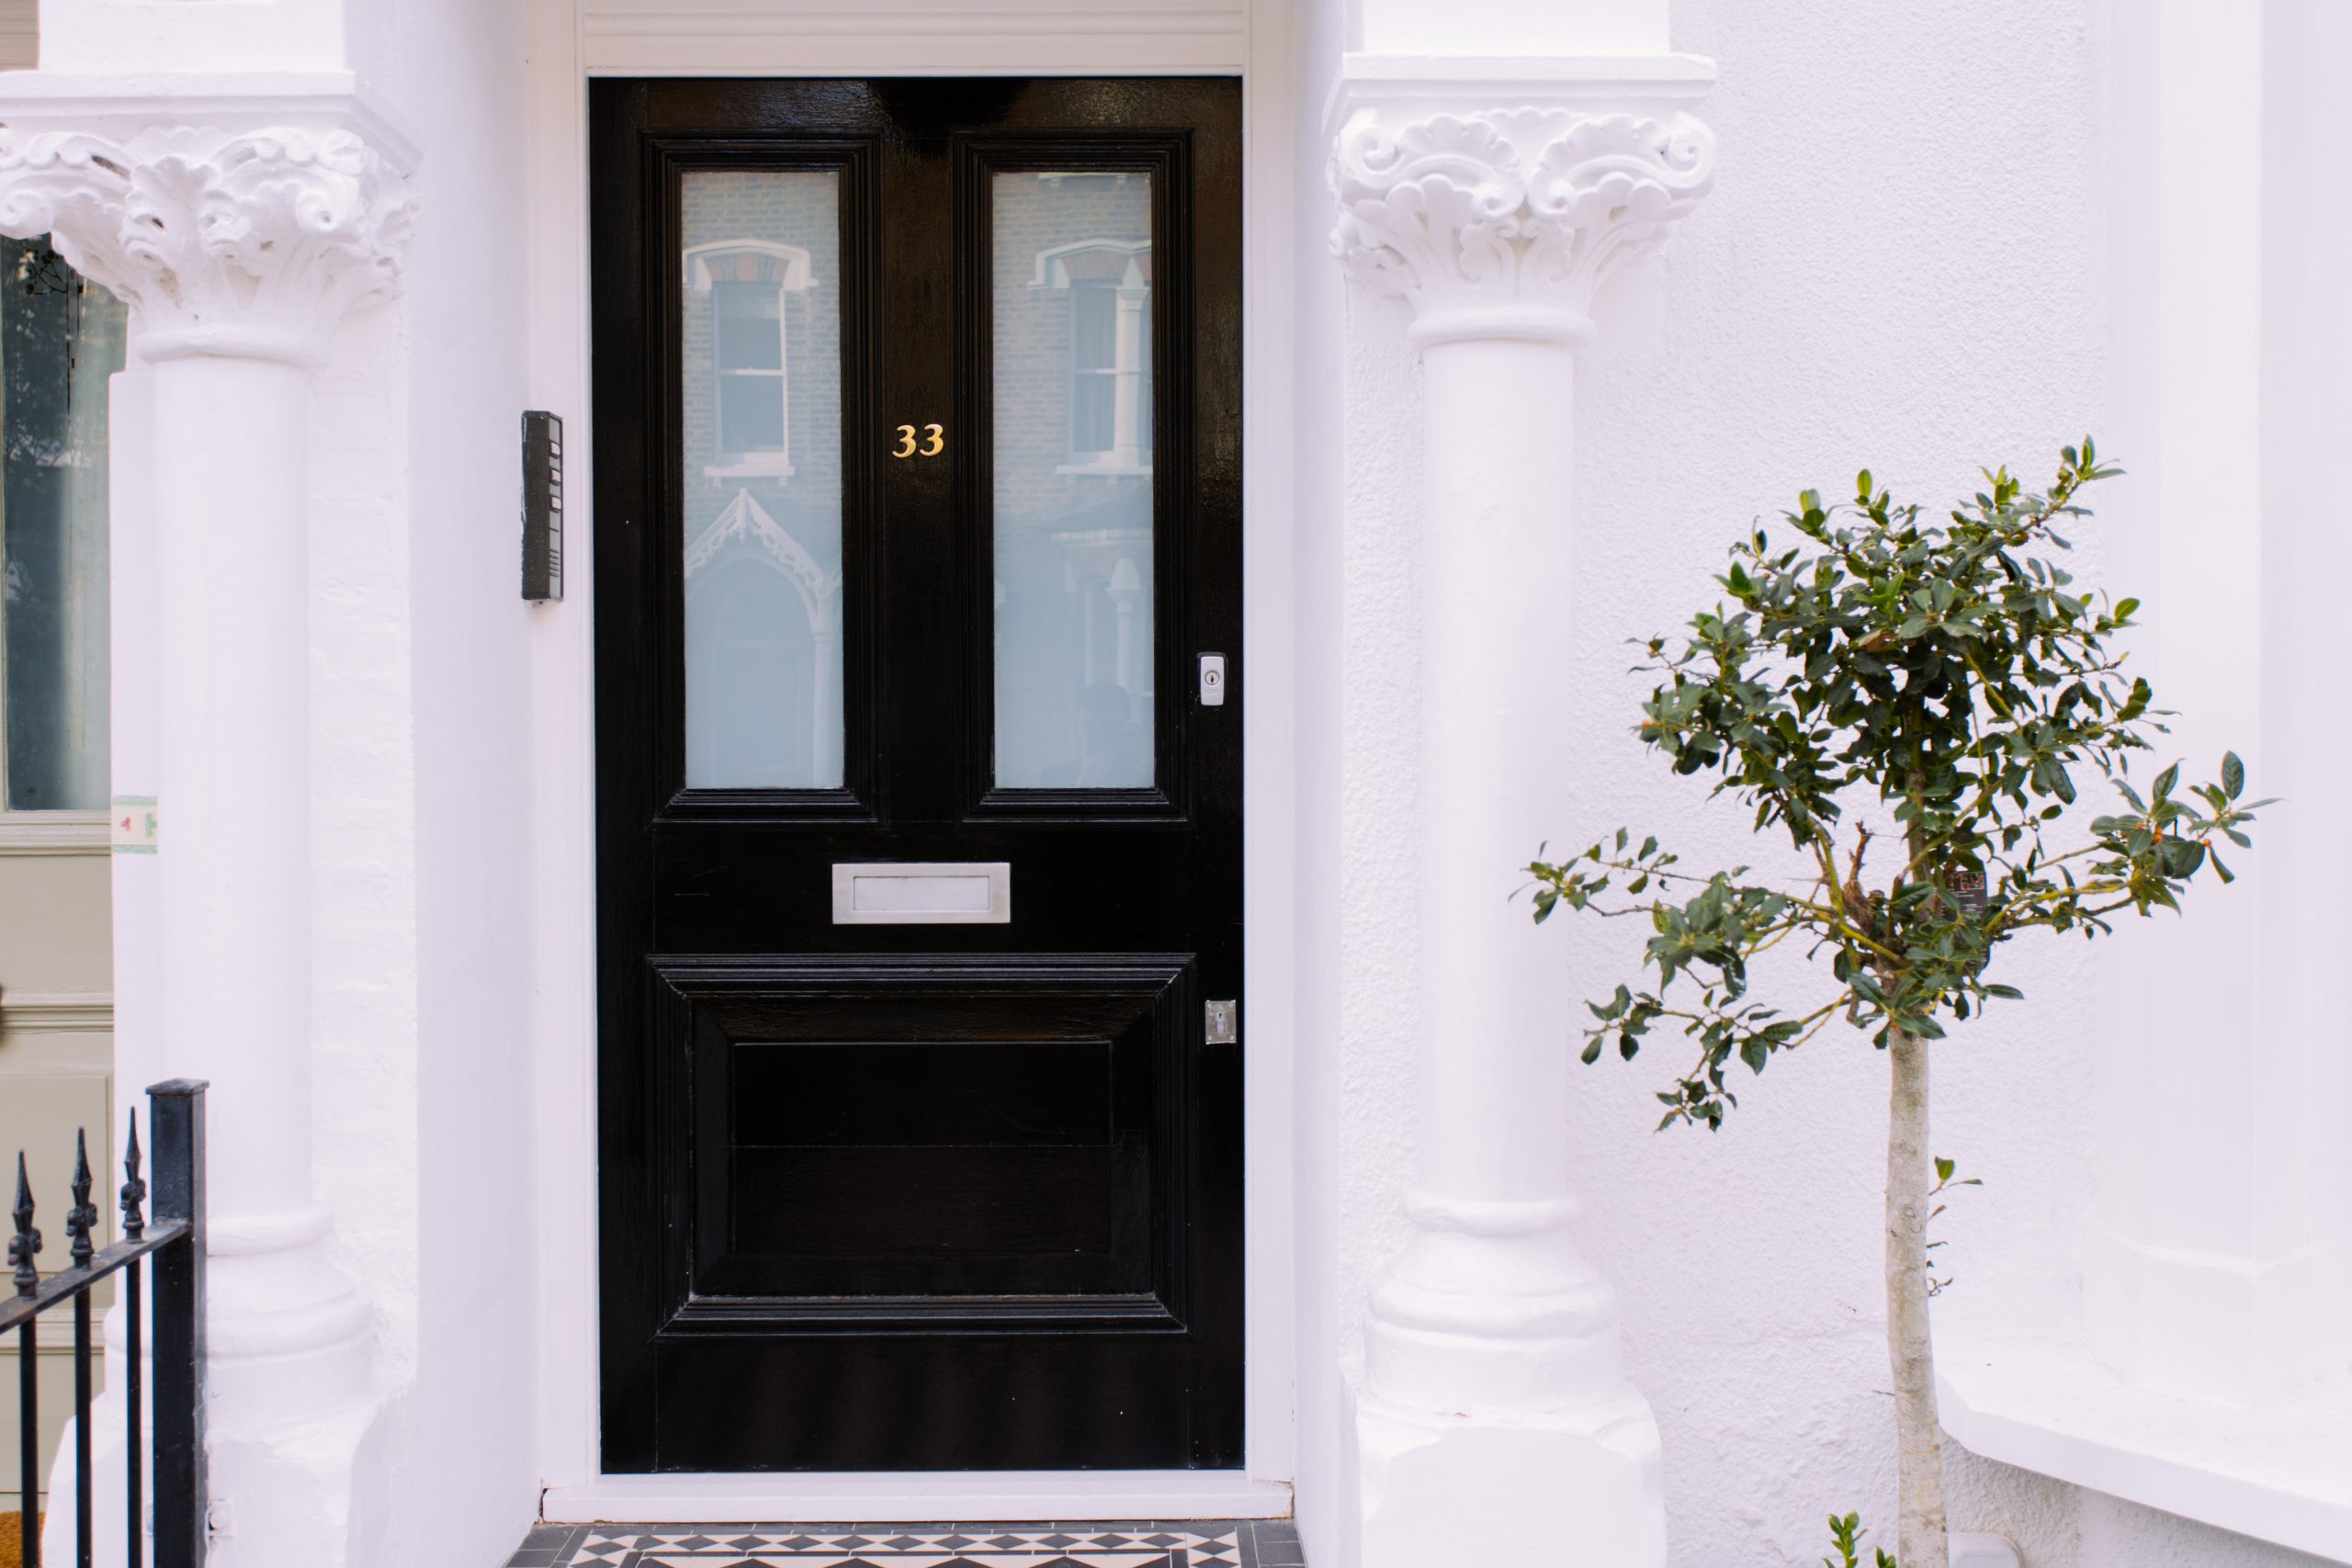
(232,591)
(1491,1310)
(233,610)
(1495,550)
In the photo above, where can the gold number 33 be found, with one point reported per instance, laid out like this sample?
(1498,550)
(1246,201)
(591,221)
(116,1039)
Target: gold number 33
(930,443)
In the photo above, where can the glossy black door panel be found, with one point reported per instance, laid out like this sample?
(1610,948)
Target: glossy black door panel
(917,500)
(887,1144)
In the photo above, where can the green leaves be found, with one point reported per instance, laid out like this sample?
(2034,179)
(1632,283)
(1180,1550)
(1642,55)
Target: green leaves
(1944,674)
(1846,1536)
(2152,853)
(1576,881)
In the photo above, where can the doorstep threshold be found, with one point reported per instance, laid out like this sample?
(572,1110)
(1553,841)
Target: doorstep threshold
(918,1496)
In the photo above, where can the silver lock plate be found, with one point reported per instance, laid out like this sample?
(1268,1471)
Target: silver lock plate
(1212,680)
(1224,1022)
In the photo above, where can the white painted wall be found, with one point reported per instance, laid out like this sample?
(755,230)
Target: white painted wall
(1905,265)
(99,36)
(1337,918)
(427,1116)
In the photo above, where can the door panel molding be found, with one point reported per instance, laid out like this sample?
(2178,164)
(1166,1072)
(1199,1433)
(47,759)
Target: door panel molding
(660,288)
(1138,1006)
(1178,617)
(55,1013)
(55,832)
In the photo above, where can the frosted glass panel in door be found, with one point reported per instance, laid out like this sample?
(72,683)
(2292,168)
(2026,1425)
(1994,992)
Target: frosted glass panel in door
(1072,402)
(759,390)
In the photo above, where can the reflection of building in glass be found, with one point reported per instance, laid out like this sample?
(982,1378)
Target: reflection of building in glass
(759,603)
(1071,405)
(1071,305)
(748,282)
(760,393)
(1109,286)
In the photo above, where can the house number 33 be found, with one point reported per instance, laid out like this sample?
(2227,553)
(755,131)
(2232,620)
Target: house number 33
(930,443)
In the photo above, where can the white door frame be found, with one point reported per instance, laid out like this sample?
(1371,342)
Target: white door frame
(568,41)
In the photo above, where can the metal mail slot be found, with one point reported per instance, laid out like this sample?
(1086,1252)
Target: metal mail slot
(945,893)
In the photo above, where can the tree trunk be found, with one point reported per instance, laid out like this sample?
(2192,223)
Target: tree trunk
(1919,1468)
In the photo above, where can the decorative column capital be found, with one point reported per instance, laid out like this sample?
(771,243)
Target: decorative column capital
(249,243)
(1504,222)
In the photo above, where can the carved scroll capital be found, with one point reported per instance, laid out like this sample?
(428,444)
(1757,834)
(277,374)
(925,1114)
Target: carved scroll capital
(1506,222)
(251,243)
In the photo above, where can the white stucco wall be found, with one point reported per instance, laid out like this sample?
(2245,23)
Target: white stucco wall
(1854,294)
(1330,1284)
(1905,265)
(470,1423)
(422,842)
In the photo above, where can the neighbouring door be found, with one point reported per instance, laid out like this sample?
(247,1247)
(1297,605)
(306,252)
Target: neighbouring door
(917,554)
(61,338)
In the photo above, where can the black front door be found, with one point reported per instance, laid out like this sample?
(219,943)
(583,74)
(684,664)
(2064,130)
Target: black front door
(918,768)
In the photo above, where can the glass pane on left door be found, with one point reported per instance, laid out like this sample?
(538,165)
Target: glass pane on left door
(760,393)
(61,338)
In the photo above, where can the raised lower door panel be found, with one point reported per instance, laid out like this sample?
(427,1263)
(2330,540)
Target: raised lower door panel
(880,1147)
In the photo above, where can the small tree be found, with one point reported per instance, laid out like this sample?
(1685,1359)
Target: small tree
(1945,678)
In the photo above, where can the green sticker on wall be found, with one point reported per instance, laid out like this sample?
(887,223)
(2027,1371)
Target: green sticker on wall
(132,826)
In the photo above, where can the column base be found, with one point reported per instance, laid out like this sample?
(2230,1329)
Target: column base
(1568,1489)
(1490,1310)
(282,1494)
(290,1396)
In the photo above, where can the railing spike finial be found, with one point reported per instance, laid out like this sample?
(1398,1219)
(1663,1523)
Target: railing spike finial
(25,1243)
(134,1190)
(83,1217)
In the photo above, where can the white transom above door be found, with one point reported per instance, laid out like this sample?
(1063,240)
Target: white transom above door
(809,37)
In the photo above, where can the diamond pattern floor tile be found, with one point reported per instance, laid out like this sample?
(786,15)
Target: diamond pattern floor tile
(1149,1544)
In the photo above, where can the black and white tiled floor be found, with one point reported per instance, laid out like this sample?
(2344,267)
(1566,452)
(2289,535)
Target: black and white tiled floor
(1185,1543)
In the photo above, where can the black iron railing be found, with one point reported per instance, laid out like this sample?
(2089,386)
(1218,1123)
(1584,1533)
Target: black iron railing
(175,1237)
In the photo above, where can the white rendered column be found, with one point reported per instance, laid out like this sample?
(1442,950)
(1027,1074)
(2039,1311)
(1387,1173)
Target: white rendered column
(239,254)
(2217,1262)
(1497,1425)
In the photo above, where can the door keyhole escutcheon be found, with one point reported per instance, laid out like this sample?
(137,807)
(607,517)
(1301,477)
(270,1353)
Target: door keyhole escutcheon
(929,442)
